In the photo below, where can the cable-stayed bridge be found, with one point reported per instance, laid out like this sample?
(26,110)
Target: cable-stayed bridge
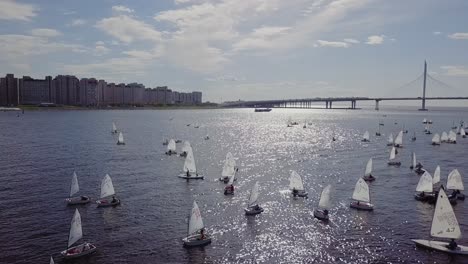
(312,102)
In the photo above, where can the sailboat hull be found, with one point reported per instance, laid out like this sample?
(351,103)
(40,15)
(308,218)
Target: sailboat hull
(195,241)
(361,206)
(320,214)
(441,246)
(106,203)
(191,177)
(78,200)
(394,163)
(120,143)
(253,211)
(79,251)
(369,178)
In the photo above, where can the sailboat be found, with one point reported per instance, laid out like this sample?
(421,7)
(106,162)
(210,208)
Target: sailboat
(324,204)
(120,141)
(368,173)
(453,125)
(455,183)
(185,149)
(305,124)
(107,190)
(207,137)
(413,138)
(427,130)
(296,185)
(51,260)
(399,140)
(196,235)
(365,137)
(436,139)
(74,188)
(252,206)
(114,128)
(361,197)
(76,233)
(444,225)
(171,147)
(436,177)
(430,121)
(424,121)
(229,168)
(444,137)
(452,137)
(190,169)
(390,140)
(405,131)
(392,161)
(229,189)
(424,189)
(378,133)
(462,132)
(165,142)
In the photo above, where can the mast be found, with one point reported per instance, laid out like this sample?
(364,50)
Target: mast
(424,89)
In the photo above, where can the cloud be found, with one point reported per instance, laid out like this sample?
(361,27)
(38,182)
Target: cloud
(67,13)
(100,43)
(455,70)
(45,32)
(127,29)
(350,40)
(123,9)
(375,40)
(78,22)
(225,78)
(262,37)
(436,32)
(11,10)
(458,36)
(333,44)
(100,50)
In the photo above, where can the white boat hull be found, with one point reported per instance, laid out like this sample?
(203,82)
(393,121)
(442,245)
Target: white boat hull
(195,241)
(106,203)
(191,177)
(320,214)
(253,211)
(361,206)
(78,200)
(78,251)
(441,246)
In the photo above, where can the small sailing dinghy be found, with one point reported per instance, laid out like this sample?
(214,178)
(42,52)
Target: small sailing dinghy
(120,141)
(185,149)
(455,184)
(462,132)
(444,225)
(207,137)
(171,147)
(392,161)
(190,169)
(76,233)
(252,206)
(430,121)
(436,140)
(390,140)
(427,130)
(368,173)
(51,260)
(165,142)
(114,128)
(444,138)
(196,235)
(229,168)
(416,166)
(74,188)
(399,140)
(229,189)
(296,185)
(361,197)
(424,189)
(413,138)
(107,190)
(324,204)
(452,137)
(366,137)
(424,121)
(378,134)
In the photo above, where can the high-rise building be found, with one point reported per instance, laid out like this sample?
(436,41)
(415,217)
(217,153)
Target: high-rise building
(119,94)
(109,94)
(9,90)
(35,91)
(196,97)
(66,89)
(88,92)
(100,90)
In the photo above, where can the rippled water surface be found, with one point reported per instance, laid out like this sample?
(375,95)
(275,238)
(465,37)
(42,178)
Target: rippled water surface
(40,150)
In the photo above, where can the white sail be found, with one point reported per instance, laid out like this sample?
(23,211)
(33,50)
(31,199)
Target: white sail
(114,128)
(436,177)
(413,160)
(107,188)
(189,164)
(425,183)
(444,222)
(74,188)
(462,132)
(76,233)
(186,146)
(390,138)
(399,139)
(368,168)
(253,195)
(424,121)
(454,181)
(325,198)
(231,179)
(452,136)
(436,139)
(121,139)
(229,166)
(196,221)
(366,136)
(392,153)
(171,146)
(51,261)
(444,137)
(295,181)
(361,191)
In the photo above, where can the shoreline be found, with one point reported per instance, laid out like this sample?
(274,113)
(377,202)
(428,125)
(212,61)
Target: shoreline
(81,108)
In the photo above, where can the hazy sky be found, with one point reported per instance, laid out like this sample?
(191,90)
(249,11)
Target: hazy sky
(243,49)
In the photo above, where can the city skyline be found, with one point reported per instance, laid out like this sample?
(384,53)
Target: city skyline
(247,50)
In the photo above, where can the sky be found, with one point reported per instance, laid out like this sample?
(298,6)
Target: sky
(244,49)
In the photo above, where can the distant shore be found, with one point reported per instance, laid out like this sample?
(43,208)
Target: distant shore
(146,107)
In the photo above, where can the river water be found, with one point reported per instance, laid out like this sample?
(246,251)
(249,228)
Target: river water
(39,151)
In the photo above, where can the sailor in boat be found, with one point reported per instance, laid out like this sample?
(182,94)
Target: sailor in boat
(396,150)
(452,245)
(113,199)
(370,177)
(229,189)
(325,212)
(188,173)
(202,234)
(295,192)
(84,198)
(418,169)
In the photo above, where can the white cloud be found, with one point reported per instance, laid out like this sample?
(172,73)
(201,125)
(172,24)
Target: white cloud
(333,44)
(260,38)
(458,35)
(67,13)
(121,8)
(45,32)
(100,50)
(375,40)
(436,32)
(455,70)
(99,43)
(350,40)
(78,22)
(127,29)
(225,78)
(11,10)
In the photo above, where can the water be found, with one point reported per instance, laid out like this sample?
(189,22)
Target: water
(40,150)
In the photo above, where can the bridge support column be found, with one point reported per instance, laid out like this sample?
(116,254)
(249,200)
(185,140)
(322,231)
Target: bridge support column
(326,104)
(331,104)
(377,105)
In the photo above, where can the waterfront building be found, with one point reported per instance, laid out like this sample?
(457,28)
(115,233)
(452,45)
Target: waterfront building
(9,90)
(35,91)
